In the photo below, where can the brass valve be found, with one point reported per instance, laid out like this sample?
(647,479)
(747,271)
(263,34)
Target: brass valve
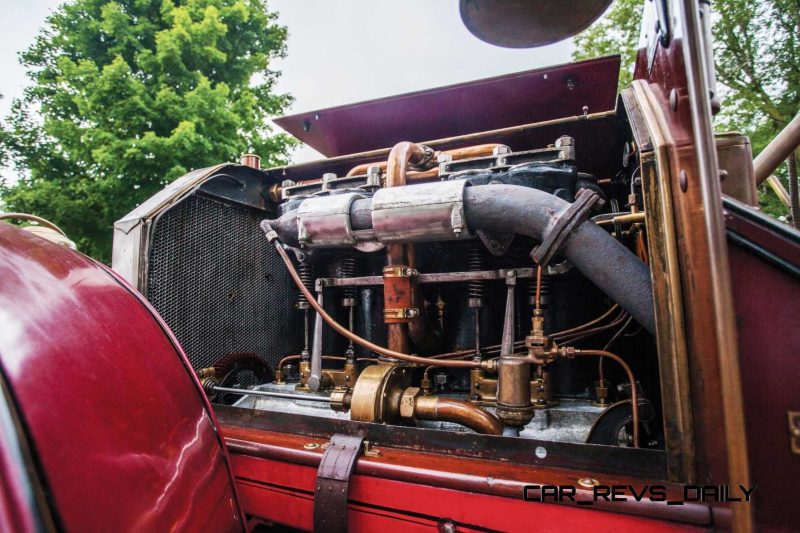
(541,349)
(601,391)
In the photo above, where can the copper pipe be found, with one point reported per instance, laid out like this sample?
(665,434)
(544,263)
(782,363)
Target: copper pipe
(400,158)
(777,151)
(582,327)
(538,287)
(458,412)
(478,150)
(631,378)
(601,374)
(397,334)
(341,330)
(363,167)
(422,175)
(589,332)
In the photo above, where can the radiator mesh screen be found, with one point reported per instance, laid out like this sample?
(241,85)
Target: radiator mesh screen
(219,285)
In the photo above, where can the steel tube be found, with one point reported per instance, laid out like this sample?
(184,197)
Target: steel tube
(286,395)
(315,379)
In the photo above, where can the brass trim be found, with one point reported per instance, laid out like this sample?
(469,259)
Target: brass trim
(668,295)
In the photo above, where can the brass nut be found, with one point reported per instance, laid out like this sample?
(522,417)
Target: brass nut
(408,401)
(340,400)
(369,450)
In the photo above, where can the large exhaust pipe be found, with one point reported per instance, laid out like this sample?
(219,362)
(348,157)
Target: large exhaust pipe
(451,210)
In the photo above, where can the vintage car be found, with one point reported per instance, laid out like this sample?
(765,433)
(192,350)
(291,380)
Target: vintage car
(519,303)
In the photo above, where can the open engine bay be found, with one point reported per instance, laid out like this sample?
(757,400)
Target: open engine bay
(495,287)
(495,280)
(437,290)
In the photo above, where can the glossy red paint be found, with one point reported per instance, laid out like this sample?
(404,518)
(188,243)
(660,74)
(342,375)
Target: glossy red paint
(19,491)
(114,415)
(283,492)
(276,476)
(480,105)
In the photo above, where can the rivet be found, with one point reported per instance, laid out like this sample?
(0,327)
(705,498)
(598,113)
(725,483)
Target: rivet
(588,482)
(311,446)
(683,180)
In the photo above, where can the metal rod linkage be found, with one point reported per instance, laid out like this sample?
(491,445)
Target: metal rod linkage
(439,277)
(245,392)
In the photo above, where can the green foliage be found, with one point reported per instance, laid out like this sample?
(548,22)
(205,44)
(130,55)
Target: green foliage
(617,32)
(757,53)
(127,95)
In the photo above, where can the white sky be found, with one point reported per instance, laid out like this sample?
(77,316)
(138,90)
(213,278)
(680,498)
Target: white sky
(338,52)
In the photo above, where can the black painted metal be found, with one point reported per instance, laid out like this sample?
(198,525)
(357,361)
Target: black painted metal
(642,463)
(218,287)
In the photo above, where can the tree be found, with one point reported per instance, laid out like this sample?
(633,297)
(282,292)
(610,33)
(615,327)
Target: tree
(617,32)
(127,95)
(757,55)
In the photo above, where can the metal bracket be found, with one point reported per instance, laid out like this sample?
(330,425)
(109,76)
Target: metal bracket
(571,218)
(399,271)
(333,476)
(400,313)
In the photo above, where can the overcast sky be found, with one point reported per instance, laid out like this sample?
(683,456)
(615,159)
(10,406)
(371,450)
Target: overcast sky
(339,51)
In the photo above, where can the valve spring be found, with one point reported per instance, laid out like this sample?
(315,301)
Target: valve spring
(347,269)
(531,288)
(476,262)
(306,272)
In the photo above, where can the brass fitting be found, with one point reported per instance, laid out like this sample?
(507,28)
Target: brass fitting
(376,395)
(341,400)
(542,390)
(541,349)
(327,380)
(601,392)
(489,365)
(514,407)
(350,374)
(382,395)
(304,368)
(209,372)
(408,401)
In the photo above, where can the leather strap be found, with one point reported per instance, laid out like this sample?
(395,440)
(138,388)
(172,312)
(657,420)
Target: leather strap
(333,476)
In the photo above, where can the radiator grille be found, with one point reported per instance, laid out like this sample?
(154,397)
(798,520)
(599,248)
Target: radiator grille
(218,285)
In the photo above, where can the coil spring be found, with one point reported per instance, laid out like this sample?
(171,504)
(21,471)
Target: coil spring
(476,262)
(306,272)
(347,269)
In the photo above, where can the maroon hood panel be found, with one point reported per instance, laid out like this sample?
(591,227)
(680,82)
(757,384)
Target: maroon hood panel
(492,103)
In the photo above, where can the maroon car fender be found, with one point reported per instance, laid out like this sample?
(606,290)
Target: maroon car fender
(120,433)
